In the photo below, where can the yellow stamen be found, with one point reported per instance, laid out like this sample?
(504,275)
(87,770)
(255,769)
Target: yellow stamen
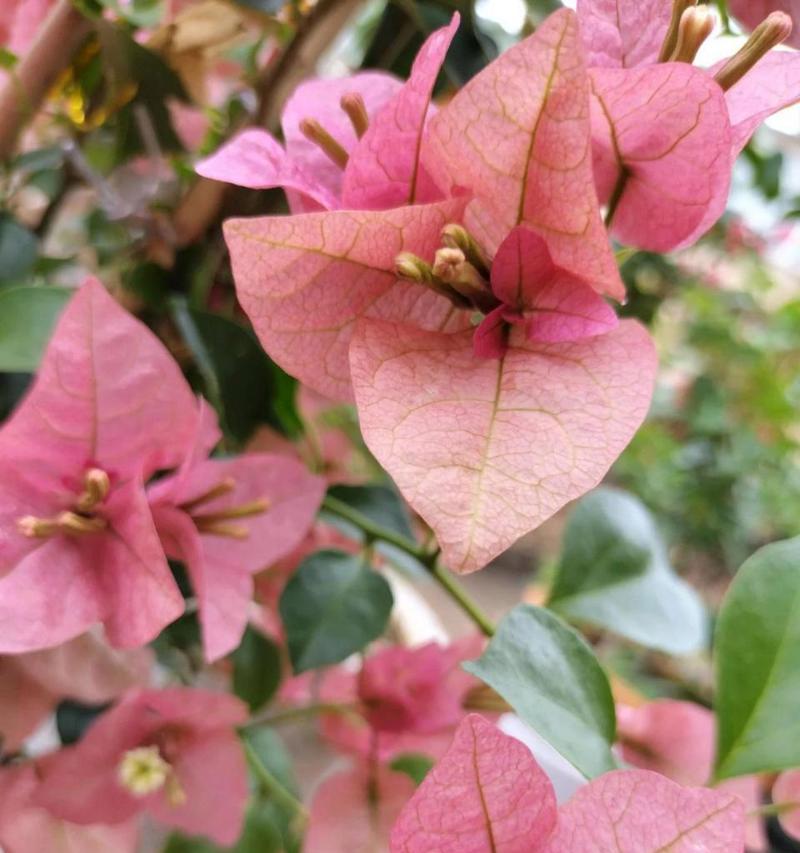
(36,528)
(72,523)
(223,488)
(771,32)
(96,485)
(696,26)
(671,39)
(174,792)
(316,133)
(353,105)
(220,528)
(246,510)
(143,771)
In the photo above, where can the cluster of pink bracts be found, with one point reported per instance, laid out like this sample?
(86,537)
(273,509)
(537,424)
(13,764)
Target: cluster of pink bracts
(445,269)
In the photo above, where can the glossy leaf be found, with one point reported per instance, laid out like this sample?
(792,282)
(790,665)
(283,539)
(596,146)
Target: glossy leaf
(757,647)
(551,678)
(614,573)
(18,249)
(333,606)
(256,669)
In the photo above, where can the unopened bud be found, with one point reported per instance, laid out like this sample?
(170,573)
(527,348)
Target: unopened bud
(696,26)
(316,133)
(671,38)
(356,110)
(457,237)
(771,32)
(452,267)
(411,268)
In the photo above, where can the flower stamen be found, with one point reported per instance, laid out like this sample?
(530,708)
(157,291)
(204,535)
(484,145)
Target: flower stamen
(671,38)
(96,485)
(316,133)
(217,522)
(222,488)
(696,26)
(453,268)
(143,771)
(356,110)
(771,32)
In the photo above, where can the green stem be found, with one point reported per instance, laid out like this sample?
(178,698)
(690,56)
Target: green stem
(424,556)
(773,809)
(272,786)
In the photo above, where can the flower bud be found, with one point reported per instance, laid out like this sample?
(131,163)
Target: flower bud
(356,110)
(671,39)
(457,237)
(411,268)
(452,267)
(696,26)
(316,133)
(771,32)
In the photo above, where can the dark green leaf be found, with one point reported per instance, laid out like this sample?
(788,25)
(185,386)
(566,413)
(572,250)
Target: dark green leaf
(757,646)
(27,318)
(272,753)
(614,573)
(18,249)
(414,765)
(551,678)
(333,606)
(269,6)
(245,387)
(380,504)
(73,718)
(256,669)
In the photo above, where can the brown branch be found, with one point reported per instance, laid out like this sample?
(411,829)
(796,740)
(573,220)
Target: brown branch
(200,207)
(52,50)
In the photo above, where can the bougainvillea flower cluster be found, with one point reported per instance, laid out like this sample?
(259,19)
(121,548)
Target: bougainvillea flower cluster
(110,408)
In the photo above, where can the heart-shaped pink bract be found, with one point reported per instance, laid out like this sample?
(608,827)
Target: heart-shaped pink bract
(192,730)
(488,795)
(486,450)
(623,33)
(304,280)
(664,133)
(109,403)
(516,137)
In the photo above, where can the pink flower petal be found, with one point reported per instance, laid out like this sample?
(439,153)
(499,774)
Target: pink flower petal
(383,169)
(636,811)
(623,33)
(490,340)
(223,590)
(320,100)
(558,306)
(26,828)
(213,775)
(344,820)
(517,137)
(787,790)
(752,12)
(485,451)
(107,392)
(668,126)
(304,280)
(486,794)
(255,159)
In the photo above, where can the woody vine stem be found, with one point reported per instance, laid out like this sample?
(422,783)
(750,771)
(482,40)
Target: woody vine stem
(428,558)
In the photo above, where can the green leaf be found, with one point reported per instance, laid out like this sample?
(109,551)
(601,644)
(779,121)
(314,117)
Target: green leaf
(614,573)
(18,249)
(244,386)
(27,318)
(414,765)
(256,669)
(551,678)
(757,646)
(380,504)
(333,606)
